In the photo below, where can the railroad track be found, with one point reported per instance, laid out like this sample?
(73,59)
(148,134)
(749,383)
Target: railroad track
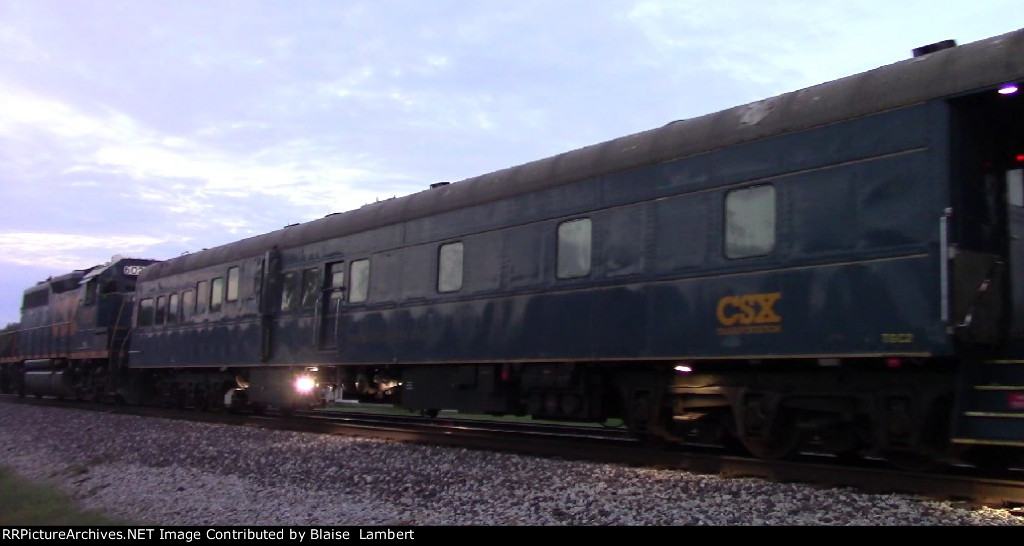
(612,445)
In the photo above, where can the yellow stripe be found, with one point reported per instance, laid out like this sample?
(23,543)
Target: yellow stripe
(972,441)
(1000,415)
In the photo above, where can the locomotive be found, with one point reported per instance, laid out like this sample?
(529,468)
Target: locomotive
(73,336)
(840,267)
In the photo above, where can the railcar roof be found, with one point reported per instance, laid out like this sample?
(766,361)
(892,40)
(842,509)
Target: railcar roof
(947,72)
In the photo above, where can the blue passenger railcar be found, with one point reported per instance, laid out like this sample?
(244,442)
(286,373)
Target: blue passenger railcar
(839,265)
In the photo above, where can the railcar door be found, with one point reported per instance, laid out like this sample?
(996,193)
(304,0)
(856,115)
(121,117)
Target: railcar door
(269,303)
(987,263)
(1015,257)
(331,302)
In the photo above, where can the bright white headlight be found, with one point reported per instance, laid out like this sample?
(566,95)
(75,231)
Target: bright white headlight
(304,384)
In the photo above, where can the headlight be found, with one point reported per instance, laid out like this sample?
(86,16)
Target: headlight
(304,384)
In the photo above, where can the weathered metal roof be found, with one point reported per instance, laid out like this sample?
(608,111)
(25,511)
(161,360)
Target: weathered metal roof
(947,72)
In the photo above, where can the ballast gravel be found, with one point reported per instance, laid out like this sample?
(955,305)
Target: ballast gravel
(176,473)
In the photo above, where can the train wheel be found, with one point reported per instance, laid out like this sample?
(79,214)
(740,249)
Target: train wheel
(781,441)
(843,442)
(912,461)
(933,442)
(992,459)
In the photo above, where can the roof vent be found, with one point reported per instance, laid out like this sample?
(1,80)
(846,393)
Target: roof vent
(932,48)
(439,184)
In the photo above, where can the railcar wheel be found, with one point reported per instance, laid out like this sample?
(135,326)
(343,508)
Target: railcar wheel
(780,442)
(992,459)
(933,444)
(842,442)
(912,461)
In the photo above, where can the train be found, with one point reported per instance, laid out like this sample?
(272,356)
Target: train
(838,268)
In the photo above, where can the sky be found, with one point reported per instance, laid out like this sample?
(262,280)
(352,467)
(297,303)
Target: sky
(149,128)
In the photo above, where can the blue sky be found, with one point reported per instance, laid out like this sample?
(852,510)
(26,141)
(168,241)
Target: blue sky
(152,128)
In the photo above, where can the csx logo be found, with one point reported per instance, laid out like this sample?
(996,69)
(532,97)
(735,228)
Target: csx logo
(748,309)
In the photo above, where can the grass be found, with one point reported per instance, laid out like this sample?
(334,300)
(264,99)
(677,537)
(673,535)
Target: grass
(27,503)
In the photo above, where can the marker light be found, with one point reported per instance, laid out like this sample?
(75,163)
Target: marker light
(1008,89)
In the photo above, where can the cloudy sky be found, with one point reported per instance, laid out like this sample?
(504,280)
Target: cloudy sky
(150,128)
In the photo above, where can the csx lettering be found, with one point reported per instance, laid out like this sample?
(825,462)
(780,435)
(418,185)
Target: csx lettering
(748,309)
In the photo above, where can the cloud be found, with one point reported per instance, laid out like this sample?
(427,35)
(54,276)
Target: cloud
(66,251)
(188,174)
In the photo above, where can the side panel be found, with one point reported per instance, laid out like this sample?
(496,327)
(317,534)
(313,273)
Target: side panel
(855,270)
(203,335)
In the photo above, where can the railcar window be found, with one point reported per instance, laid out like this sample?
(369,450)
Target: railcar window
(359,281)
(1015,187)
(188,299)
(232,284)
(336,277)
(750,222)
(161,310)
(201,296)
(36,299)
(172,309)
(90,292)
(449,267)
(289,298)
(574,248)
(216,294)
(146,312)
(310,287)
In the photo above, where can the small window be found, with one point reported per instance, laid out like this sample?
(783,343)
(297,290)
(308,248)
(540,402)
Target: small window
(161,310)
(336,276)
(172,309)
(310,287)
(146,312)
(232,284)
(188,302)
(574,246)
(1015,187)
(359,281)
(289,292)
(90,292)
(202,296)
(750,222)
(216,294)
(449,267)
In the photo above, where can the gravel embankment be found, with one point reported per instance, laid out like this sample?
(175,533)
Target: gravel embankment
(162,472)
